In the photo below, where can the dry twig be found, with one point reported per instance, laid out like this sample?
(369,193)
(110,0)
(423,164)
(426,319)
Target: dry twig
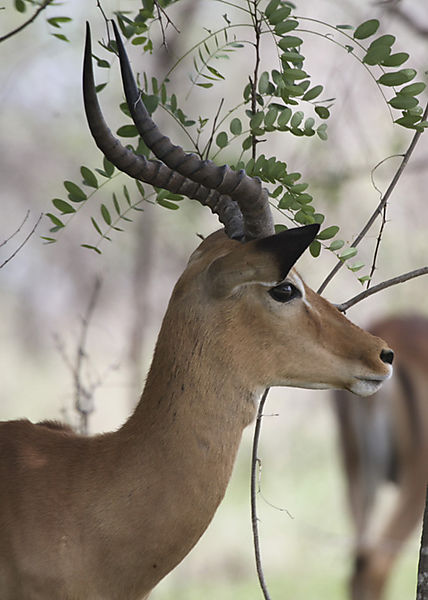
(26,23)
(381,205)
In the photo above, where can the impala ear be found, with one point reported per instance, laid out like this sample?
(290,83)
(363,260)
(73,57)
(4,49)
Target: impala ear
(265,261)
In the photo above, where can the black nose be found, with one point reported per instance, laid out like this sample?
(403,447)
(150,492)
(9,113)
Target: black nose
(387,356)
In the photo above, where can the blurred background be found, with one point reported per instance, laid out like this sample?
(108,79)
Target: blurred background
(45,290)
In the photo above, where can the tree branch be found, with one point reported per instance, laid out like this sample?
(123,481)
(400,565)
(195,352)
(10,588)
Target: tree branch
(422,589)
(382,203)
(255,466)
(4,263)
(382,286)
(42,7)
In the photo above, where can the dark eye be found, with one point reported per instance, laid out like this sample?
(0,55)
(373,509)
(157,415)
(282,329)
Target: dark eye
(284,292)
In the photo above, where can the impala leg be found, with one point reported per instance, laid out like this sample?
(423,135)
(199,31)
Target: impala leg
(373,564)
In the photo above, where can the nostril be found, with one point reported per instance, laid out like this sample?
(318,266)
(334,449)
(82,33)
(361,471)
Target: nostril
(387,356)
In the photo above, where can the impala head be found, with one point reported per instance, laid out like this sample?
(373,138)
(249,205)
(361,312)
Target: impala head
(240,287)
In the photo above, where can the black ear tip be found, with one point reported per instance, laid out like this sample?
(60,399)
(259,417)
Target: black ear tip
(311,229)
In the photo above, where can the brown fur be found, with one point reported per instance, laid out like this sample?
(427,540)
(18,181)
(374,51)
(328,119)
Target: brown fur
(385,438)
(107,517)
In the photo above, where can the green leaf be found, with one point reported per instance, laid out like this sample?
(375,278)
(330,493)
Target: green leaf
(355,267)
(264,82)
(397,78)
(292,56)
(167,204)
(364,278)
(215,72)
(322,132)
(101,62)
(286,26)
(313,93)
(94,248)
(108,167)
(221,139)
(96,226)
(336,245)
(270,116)
(295,74)
(235,126)
(348,253)
(284,117)
(328,233)
(377,55)
(297,118)
(395,60)
(75,193)
(383,40)
(105,214)
(64,207)
(286,201)
(257,120)
(56,21)
(57,222)
(309,124)
(64,38)
(280,227)
(138,41)
(403,102)
(289,41)
(315,248)
(414,89)
(247,143)
(344,27)
(304,198)
(151,102)
(322,112)
(281,14)
(303,218)
(366,29)
(20,6)
(127,131)
(89,178)
(271,7)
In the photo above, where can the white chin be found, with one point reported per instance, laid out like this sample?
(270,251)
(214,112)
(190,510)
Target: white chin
(365,387)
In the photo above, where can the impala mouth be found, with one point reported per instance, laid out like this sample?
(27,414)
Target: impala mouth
(366,386)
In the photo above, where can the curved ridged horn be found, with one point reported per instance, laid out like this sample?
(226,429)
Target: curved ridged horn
(151,171)
(247,191)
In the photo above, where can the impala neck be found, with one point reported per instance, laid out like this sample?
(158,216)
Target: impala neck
(186,432)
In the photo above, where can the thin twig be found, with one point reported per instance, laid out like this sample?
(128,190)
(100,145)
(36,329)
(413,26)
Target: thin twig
(381,204)
(377,247)
(422,589)
(26,23)
(4,263)
(254,80)
(382,286)
(161,11)
(12,235)
(255,467)
(206,152)
(81,391)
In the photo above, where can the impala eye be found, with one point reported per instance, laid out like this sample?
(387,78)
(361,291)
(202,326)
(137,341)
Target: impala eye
(284,292)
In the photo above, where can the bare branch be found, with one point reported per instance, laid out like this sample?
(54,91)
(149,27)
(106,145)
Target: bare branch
(12,235)
(422,590)
(161,12)
(381,205)
(255,467)
(42,7)
(19,248)
(83,394)
(381,286)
